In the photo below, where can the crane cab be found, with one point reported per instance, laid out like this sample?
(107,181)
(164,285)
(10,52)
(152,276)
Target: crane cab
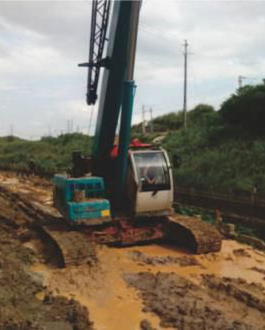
(150,182)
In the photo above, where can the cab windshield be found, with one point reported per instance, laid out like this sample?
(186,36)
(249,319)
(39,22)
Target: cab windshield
(152,171)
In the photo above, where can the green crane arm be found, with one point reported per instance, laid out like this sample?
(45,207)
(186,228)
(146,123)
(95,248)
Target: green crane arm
(119,65)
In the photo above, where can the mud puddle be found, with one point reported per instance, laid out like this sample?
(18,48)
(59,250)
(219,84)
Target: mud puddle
(113,304)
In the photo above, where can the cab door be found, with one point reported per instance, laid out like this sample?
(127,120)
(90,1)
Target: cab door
(154,177)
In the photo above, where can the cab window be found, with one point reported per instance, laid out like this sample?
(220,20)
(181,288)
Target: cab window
(152,171)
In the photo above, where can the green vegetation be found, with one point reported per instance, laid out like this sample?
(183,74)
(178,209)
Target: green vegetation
(219,153)
(45,157)
(246,109)
(220,150)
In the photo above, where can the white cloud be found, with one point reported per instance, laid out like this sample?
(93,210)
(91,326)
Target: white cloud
(42,42)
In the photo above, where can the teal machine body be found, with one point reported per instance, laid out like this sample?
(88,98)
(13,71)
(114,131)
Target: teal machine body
(81,199)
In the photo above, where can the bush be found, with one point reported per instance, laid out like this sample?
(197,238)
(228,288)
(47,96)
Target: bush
(49,155)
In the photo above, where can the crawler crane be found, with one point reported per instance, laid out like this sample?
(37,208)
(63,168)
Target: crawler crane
(122,194)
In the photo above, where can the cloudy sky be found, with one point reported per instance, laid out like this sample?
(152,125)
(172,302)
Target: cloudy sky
(41,43)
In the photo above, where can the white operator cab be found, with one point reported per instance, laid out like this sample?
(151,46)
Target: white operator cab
(152,174)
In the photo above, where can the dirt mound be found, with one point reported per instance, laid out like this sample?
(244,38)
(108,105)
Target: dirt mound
(183,305)
(163,260)
(20,309)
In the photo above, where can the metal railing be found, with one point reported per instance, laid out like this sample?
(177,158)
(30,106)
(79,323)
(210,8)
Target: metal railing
(236,197)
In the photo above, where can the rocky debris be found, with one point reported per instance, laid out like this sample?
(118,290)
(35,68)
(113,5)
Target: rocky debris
(163,260)
(241,253)
(146,325)
(259,270)
(183,305)
(228,230)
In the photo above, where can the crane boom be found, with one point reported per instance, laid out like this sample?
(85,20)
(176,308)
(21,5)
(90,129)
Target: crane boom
(119,66)
(112,83)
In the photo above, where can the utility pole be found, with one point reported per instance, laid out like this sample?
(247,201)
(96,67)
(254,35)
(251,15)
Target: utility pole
(143,124)
(11,130)
(240,81)
(185,82)
(151,121)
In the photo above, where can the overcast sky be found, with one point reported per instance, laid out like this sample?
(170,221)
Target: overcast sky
(41,43)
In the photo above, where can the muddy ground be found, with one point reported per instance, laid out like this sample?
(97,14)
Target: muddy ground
(144,287)
(20,309)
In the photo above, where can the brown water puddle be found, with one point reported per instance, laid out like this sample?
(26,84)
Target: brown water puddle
(112,305)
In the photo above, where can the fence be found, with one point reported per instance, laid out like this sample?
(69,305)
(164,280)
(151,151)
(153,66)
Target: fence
(239,197)
(241,203)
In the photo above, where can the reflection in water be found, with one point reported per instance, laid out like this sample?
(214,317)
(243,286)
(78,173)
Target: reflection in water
(112,305)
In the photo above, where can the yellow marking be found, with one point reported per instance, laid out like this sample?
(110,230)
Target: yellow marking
(105,213)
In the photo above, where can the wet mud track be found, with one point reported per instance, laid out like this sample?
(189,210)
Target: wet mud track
(221,304)
(20,308)
(145,287)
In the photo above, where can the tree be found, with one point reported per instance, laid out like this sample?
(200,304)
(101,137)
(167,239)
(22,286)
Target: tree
(202,114)
(245,108)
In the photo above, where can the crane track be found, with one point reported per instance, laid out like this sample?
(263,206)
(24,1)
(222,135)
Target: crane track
(201,237)
(76,244)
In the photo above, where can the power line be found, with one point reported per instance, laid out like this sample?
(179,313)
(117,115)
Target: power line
(156,32)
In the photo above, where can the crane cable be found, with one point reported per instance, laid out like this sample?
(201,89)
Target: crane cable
(90,120)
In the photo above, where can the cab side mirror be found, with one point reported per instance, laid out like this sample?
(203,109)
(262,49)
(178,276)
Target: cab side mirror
(176,161)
